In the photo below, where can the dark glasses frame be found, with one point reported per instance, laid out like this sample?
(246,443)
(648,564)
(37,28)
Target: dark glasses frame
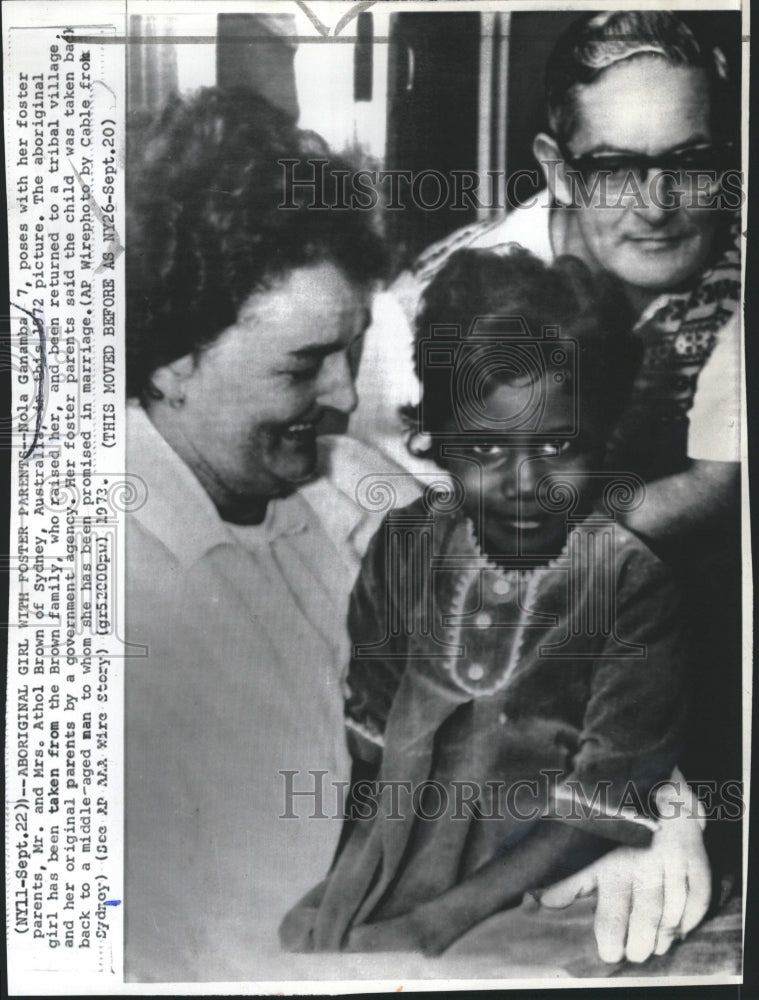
(700,158)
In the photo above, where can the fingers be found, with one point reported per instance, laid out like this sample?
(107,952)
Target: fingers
(675,896)
(646,897)
(664,938)
(684,863)
(693,804)
(583,883)
(612,913)
(645,914)
(699,890)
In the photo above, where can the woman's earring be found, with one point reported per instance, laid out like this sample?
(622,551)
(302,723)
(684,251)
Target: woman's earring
(177,402)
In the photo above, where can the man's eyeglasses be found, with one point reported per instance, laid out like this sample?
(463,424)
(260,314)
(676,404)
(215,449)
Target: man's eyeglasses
(681,167)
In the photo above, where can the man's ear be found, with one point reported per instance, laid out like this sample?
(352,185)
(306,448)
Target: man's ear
(170,379)
(548,155)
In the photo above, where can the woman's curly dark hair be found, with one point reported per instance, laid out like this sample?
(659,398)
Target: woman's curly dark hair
(585,307)
(205,228)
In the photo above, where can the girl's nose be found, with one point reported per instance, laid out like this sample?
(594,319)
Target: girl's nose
(519,474)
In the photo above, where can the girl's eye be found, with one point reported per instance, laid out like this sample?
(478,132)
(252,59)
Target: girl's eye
(487,450)
(548,449)
(557,449)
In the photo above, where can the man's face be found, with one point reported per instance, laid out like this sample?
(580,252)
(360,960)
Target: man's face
(253,398)
(645,106)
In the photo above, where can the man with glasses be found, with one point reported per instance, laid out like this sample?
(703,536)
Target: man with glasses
(635,163)
(639,164)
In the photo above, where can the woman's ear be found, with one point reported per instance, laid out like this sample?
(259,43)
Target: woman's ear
(170,380)
(554,167)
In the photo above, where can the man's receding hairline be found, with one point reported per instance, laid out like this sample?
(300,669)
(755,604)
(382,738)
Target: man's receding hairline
(598,42)
(579,87)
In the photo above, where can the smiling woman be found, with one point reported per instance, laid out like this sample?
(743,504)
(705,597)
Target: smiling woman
(244,317)
(245,322)
(252,399)
(206,226)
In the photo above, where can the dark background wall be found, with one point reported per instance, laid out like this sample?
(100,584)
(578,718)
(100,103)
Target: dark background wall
(432,114)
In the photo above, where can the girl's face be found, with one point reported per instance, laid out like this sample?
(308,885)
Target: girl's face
(507,478)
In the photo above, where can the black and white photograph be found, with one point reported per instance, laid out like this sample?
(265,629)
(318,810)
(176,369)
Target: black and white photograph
(383,597)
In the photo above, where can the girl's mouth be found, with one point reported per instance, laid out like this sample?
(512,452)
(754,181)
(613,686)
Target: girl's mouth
(524,525)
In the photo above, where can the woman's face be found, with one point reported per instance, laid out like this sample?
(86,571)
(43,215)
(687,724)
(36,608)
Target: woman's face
(252,400)
(508,478)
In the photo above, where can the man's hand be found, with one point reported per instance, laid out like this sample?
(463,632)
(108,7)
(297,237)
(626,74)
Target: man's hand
(647,896)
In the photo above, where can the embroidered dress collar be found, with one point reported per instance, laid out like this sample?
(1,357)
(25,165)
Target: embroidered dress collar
(484,674)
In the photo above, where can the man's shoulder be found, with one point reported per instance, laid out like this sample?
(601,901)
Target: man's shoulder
(526,226)
(714,420)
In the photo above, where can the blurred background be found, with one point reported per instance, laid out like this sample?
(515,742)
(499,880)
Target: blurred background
(442,90)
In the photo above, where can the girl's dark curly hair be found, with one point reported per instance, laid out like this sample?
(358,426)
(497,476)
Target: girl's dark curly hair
(205,229)
(587,308)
